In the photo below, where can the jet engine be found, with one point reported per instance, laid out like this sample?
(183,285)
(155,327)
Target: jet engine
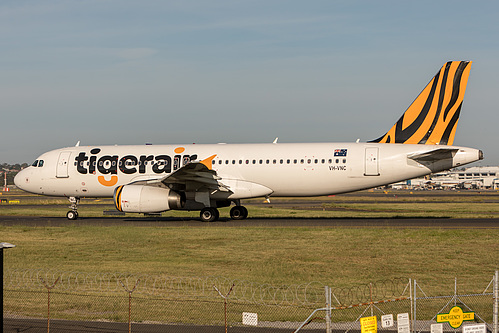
(146,199)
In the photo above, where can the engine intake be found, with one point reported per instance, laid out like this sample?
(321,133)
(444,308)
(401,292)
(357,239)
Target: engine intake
(146,199)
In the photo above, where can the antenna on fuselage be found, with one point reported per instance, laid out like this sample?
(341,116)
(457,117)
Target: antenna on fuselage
(77,144)
(275,141)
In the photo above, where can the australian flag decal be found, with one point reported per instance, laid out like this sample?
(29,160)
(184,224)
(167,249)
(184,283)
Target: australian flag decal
(340,152)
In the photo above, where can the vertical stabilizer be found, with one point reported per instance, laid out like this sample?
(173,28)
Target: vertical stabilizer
(432,118)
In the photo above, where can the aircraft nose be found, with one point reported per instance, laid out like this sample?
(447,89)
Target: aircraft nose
(20,179)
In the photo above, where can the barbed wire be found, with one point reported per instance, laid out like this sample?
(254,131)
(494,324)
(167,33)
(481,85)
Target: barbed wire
(312,293)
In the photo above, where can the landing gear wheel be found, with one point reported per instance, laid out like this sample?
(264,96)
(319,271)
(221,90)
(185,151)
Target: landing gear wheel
(209,214)
(72,215)
(238,213)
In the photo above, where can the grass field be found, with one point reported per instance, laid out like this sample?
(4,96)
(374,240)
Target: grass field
(334,256)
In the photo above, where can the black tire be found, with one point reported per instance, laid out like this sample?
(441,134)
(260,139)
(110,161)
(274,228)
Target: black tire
(72,215)
(238,213)
(209,214)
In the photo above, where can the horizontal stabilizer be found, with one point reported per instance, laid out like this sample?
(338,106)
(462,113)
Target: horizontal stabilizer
(434,155)
(432,118)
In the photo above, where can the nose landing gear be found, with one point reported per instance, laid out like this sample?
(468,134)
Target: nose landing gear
(73,213)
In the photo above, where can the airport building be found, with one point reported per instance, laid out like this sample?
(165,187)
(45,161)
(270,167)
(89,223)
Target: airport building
(469,178)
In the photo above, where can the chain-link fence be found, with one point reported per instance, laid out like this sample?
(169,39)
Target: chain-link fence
(117,302)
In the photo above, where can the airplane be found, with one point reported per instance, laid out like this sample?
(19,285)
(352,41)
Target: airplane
(152,179)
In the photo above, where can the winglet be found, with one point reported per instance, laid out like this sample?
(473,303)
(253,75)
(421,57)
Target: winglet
(208,161)
(432,117)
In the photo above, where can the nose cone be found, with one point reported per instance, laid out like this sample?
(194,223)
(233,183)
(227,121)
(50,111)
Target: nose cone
(21,179)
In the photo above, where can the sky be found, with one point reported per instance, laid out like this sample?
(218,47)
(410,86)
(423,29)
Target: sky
(179,72)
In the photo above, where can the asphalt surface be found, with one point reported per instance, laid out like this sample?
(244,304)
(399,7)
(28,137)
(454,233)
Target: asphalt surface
(445,223)
(63,326)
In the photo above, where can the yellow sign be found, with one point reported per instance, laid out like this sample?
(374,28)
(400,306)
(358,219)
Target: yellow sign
(369,325)
(455,317)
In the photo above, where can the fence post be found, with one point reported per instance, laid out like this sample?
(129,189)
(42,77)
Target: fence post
(496,302)
(48,299)
(411,298)
(415,308)
(328,309)
(225,302)
(129,303)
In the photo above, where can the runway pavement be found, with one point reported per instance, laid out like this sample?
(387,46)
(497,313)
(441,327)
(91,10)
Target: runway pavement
(445,223)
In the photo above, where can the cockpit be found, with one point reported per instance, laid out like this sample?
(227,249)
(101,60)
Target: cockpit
(37,163)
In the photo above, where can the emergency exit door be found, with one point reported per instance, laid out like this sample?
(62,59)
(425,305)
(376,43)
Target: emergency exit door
(371,162)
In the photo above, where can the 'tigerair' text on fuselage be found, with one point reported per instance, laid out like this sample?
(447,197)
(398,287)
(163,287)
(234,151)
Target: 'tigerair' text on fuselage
(110,164)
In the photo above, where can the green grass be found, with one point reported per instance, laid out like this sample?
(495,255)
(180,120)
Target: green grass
(334,256)
(338,257)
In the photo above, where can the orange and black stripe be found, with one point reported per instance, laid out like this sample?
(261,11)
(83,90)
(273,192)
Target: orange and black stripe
(117,197)
(432,117)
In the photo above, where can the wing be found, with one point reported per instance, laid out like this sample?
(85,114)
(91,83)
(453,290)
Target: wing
(192,177)
(434,155)
(195,176)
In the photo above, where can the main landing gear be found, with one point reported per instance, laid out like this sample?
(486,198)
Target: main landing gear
(211,214)
(238,213)
(73,213)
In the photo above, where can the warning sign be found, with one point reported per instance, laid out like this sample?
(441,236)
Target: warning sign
(369,324)
(455,317)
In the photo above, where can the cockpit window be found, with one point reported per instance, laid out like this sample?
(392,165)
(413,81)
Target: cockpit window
(37,163)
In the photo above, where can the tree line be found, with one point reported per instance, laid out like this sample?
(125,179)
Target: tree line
(11,170)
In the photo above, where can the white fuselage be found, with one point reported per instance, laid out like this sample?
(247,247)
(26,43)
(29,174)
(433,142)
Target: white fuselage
(248,170)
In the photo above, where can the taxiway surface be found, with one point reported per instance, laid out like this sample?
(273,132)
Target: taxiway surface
(447,223)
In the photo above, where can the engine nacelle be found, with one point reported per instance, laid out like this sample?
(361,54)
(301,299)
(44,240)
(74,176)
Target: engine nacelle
(146,199)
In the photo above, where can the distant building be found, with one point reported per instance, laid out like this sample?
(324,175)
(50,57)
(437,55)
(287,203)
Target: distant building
(470,178)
